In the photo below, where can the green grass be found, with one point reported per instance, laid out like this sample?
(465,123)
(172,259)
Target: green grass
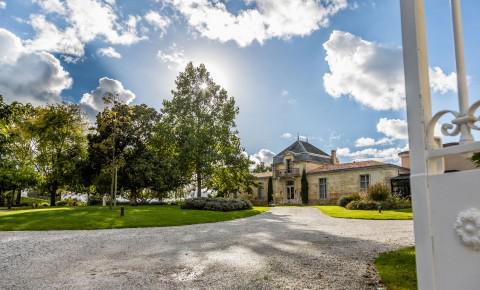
(341,212)
(96,217)
(397,269)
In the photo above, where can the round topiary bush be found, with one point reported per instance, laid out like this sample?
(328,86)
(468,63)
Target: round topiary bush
(379,192)
(346,199)
(217,204)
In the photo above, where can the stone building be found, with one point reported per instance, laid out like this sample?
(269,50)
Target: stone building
(328,179)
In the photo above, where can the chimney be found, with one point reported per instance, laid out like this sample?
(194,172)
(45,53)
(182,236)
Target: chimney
(333,157)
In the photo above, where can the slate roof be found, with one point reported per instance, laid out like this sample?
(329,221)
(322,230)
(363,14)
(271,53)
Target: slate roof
(303,151)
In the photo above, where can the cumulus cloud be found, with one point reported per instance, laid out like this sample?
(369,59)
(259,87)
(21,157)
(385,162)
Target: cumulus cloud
(263,155)
(85,20)
(382,155)
(92,102)
(29,76)
(174,57)
(372,73)
(367,141)
(267,19)
(393,128)
(109,52)
(286,135)
(3,4)
(159,22)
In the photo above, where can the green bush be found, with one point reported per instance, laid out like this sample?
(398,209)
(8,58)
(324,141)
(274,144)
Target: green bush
(394,202)
(70,202)
(346,199)
(363,204)
(379,192)
(217,204)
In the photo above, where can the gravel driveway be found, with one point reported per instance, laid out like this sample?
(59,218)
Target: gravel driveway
(286,248)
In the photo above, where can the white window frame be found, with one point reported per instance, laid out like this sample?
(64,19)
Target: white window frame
(362,182)
(322,183)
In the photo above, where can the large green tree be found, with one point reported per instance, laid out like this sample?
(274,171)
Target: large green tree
(201,116)
(16,160)
(58,133)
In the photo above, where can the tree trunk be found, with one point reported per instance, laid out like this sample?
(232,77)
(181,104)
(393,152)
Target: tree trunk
(199,185)
(53,193)
(10,199)
(134,193)
(19,197)
(2,200)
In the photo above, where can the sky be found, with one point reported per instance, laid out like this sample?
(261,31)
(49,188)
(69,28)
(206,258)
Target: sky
(327,70)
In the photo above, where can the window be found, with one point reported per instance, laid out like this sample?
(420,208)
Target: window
(260,191)
(290,189)
(364,181)
(322,188)
(289,166)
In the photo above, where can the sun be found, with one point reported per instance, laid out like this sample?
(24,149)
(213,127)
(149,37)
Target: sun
(203,86)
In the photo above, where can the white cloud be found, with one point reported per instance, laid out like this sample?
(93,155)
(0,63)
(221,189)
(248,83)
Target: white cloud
(287,135)
(29,76)
(267,19)
(263,155)
(366,142)
(441,82)
(86,20)
(371,73)
(109,52)
(382,155)
(393,128)
(93,102)
(174,57)
(51,6)
(158,21)
(3,4)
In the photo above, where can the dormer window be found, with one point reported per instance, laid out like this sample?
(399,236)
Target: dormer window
(289,165)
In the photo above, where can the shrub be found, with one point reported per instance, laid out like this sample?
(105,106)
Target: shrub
(378,192)
(363,204)
(396,203)
(217,204)
(70,202)
(346,199)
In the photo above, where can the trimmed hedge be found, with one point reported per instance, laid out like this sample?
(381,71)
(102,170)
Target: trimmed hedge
(216,204)
(346,199)
(391,203)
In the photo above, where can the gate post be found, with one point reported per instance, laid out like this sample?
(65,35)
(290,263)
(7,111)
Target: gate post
(417,88)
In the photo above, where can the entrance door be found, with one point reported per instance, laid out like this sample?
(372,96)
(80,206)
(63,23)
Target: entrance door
(290,190)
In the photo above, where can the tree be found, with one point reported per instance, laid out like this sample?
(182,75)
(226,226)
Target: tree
(16,166)
(304,187)
(270,190)
(58,134)
(201,116)
(262,168)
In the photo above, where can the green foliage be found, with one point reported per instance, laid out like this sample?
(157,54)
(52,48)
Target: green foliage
(304,187)
(95,217)
(346,199)
(58,132)
(397,269)
(217,204)
(270,190)
(201,118)
(379,192)
(70,202)
(362,204)
(260,168)
(341,212)
(476,159)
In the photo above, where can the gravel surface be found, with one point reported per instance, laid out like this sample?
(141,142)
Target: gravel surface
(286,248)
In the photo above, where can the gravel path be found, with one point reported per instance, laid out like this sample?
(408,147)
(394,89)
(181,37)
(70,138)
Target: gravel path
(286,248)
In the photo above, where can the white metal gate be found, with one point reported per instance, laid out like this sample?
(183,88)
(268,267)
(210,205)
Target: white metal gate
(446,205)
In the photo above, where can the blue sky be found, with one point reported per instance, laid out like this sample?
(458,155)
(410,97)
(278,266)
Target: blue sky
(329,70)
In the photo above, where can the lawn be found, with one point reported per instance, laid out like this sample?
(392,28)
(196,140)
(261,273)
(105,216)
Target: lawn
(341,212)
(397,269)
(97,217)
